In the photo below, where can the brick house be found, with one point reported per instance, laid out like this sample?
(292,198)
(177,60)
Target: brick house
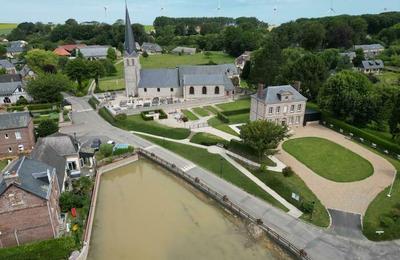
(29,209)
(16,133)
(280,104)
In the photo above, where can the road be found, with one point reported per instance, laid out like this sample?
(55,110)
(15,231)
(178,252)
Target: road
(319,243)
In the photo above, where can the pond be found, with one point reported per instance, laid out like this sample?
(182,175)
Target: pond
(144,212)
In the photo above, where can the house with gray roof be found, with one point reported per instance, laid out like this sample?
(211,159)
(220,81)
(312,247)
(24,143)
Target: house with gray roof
(8,67)
(16,133)
(188,82)
(370,50)
(151,48)
(94,52)
(184,50)
(279,104)
(12,88)
(29,209)
(15,48)
(371,66)
(349,54)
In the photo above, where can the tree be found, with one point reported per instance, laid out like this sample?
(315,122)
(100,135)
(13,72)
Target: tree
(3,50)
(394,120)
(3,71)
(331,58)
(96,70)
(111,55)
(46,88)
(311,71)
(78,70)
(349,95)
(246,70)
(47,127)
(263,136)
(359,58)
(312,36)
(40,60)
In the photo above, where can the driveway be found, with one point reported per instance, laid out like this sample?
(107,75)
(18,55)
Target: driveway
(353,197)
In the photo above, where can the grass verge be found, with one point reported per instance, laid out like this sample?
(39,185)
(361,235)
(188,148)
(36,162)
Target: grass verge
(343,164)
(235,105)
(201,111)
(189,115)
(208,139)
(218,124)
(214,163)
(212,109)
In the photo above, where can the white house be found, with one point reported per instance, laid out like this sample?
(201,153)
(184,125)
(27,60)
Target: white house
(12,88)
(371,66)
(280,104)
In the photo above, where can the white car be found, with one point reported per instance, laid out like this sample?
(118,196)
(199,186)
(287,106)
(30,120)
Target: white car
(110,142)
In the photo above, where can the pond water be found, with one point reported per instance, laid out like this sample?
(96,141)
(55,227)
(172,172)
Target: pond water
(144,212)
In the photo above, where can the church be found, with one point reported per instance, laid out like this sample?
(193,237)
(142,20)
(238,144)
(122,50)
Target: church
(188,82)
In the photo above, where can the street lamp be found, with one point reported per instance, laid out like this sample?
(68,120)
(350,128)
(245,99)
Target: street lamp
(391,186)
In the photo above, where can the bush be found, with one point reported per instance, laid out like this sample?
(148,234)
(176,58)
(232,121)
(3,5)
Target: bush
(386,221)
(93,102)
(145,54)
(162,114)
(69,200)
(106,115)
(106,149)
(184,119)
(15,108)
(223,118)
(121,117)
(21,101)
(42,106)
(236,112)
(307,207)
(360,133)
(208,139)
(47,127)
(287,171)
(130,149)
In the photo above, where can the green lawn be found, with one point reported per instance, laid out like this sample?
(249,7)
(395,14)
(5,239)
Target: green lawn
(285,186)
(148,28)
(201,111)
(3,164)
(239,119)
(218,124)
(383,207)
(207,139)
(189,115)
(59,248)
(115,82)
(235,105)
(248,152)
(329,159)
(136,123)
(6,28)
(212,109)
(172,60)
(213,162)
(389,78)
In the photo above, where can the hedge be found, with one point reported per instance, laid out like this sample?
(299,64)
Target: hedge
(60,248)
(223,118)
(162,115)
(106,115)
(42,106)
(236,112)
(93,102)
(360,133)
(16,108)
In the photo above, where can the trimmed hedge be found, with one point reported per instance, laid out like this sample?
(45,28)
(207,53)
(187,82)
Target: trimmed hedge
(223,118)
(162,115)
(16,108)
(106,115)
(93,102)
(208,139)
(42,106)
(236,112)
(360,133)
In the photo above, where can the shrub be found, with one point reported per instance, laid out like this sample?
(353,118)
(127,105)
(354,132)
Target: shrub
(386,221)
(307,207)
(69,200)
(47,127)
(121,117)
(146,118)
(93,102)
(42,106)
(15,108)
(185,119)
(223,118)
(21,101)
(123,151)
(236,112)
(145,54)
(106,149)
(287,171)
(106,115)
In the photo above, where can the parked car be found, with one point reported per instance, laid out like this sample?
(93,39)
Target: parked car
(110,142)
(96,144)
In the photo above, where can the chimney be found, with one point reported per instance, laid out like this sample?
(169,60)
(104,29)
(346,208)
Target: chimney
(297,85)
(260,91)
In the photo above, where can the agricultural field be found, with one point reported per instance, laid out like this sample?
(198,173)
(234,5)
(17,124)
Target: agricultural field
(6,28)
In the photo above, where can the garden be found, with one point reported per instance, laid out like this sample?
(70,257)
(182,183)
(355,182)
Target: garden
(328,159)
(41,112)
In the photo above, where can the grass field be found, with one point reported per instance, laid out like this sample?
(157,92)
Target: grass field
(136,123)
(236,105)
(214,163)
(115,82)
(201,111)
(329,159)
(172,60)
(207,139)
(189,115)
(390,78)
(6,28)
(285,186)
(218,124)
(383,207)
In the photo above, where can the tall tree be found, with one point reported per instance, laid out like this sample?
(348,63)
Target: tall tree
(96,70)
(46,88)
(263,136)
(47,127)
(359,58)
(394,120)
(41,60)
(312,36)
(78,70)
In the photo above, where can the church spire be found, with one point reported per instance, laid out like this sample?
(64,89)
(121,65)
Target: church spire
(130,44)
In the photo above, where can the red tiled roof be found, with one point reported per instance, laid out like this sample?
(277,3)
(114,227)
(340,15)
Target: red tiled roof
(71,47)
(61,52)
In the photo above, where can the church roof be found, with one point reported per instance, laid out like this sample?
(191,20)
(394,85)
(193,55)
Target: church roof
(130,46)
(159,78)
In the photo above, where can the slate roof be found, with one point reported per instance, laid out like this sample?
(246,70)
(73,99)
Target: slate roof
(372,64)
(14,120)
(186,50)
(15,48)
(151,47)
(32,176)
(199,79)
(6,64)
(159,78)
(271,94)
(46,154)
(95,51)
(8,88)
(63,144)
(130,44)
(222,69)
(10,78)
(369,47)
(350,54)
(26,71)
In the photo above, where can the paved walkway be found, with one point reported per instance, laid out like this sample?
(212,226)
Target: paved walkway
(317,242)
(351,197)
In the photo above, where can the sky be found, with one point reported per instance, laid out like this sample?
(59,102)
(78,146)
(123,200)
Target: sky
(144,11)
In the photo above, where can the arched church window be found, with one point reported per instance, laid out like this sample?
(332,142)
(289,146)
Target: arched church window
(204,90)
(191,90)
(216,91)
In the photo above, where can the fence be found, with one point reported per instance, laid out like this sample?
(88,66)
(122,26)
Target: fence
(224,201)
(197,125)
(361,140)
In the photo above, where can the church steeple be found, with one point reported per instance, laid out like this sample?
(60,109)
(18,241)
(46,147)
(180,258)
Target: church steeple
(130,44)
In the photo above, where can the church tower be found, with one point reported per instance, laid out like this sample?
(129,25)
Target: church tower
(131,60)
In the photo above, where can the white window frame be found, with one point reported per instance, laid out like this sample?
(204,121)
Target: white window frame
(270,110)
(299,107)
(18,135)
(278,110)
(291,108)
